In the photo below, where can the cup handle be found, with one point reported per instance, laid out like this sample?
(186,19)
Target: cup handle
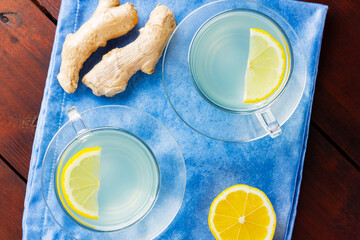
(76,120)
(269,122)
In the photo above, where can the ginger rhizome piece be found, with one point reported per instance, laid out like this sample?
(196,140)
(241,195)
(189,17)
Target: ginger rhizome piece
(108,21)
(111,75)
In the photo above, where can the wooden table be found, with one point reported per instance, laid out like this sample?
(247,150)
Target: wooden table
(329,203)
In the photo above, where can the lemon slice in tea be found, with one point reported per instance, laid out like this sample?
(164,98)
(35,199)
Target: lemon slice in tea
(80,182)
(265,68)
(242,212)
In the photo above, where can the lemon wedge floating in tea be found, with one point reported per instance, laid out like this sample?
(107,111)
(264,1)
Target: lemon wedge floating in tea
(80,182)
(265,68)
(242,212)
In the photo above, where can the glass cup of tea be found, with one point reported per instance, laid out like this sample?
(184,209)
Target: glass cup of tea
(234,71)
(219,58)
(122,175)
(116,189)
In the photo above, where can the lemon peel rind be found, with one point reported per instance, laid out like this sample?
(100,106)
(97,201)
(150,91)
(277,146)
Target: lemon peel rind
(247,189)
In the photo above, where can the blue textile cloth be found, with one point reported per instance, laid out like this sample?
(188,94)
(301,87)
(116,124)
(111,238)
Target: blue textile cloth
(272,165)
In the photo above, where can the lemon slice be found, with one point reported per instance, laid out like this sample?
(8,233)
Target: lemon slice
(242,212)
(265,68)
(80,181)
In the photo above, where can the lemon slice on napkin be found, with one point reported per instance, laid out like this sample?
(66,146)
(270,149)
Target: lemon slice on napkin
(242,212)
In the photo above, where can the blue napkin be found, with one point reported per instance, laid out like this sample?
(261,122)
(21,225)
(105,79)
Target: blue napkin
(272,165)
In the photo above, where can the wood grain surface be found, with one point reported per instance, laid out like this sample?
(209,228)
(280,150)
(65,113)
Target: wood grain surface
(330,191)
(51,6)
(337,101)
(12,189)
(25,48)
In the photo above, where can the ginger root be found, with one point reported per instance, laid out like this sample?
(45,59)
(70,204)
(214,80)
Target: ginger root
(108,21)
(111,75)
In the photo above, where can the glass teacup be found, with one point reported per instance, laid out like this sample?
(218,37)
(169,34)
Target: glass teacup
(209,98)
(122,185)
(218,57)
(141,183)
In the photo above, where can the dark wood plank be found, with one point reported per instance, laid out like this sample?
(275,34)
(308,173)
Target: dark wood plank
(12,190)
(337,102)
(52,6)
(329,206)
(25,48)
